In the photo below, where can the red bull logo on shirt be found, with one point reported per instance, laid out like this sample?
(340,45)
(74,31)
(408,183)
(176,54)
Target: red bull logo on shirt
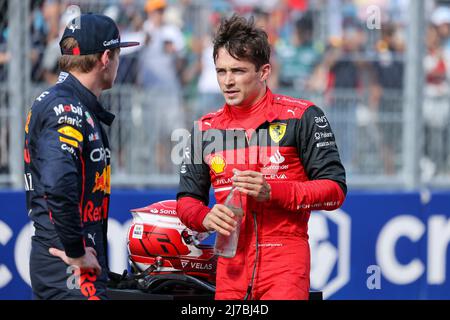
(103,181)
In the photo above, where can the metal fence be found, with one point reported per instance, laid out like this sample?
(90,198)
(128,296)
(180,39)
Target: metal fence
(370,140)
(376,145)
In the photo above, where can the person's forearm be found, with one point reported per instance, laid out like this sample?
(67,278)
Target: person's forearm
(69,234)
(308,195)
(73,242)
(192,212)
(65,215)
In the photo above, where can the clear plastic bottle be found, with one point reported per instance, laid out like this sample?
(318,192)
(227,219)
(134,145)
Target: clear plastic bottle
(226,246)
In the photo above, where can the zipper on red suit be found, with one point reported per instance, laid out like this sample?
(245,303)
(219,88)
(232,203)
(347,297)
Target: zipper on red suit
(249,293)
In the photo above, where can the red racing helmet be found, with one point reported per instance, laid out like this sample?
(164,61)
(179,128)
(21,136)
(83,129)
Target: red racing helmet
(158,238)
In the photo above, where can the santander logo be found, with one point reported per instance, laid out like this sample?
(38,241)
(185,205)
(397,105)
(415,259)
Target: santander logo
(277,158)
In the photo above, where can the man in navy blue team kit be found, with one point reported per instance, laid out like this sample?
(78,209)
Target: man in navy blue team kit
(67,165)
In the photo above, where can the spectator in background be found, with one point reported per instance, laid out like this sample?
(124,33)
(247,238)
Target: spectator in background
(441,19)
(164,43)
(339,75)
(130,19)
(159,75)
(209,96)
(298,57)
(130,26)
(52,52)
(127,13)
(192,67)
(264,20)
(51,11)
(38,37)
(4,54)
(436,105)
(385,93)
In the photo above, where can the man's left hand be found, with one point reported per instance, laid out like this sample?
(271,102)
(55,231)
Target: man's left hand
(252,183)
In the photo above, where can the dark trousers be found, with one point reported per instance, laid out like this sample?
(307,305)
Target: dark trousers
(52,279)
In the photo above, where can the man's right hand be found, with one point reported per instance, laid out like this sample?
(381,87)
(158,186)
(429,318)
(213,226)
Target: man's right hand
(220,219)
(88,261)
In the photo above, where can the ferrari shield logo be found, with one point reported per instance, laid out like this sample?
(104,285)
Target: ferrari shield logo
(277,131)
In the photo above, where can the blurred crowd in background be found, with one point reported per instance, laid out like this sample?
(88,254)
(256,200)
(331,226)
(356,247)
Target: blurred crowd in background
(332,51)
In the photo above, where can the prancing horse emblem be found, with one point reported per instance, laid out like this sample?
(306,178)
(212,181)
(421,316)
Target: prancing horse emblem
(277,131)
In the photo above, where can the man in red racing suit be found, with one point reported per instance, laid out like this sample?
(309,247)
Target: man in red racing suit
(279,151)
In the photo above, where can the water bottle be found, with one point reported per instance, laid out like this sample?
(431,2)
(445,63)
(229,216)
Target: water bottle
(226,246)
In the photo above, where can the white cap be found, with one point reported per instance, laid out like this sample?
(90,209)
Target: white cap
(441,15)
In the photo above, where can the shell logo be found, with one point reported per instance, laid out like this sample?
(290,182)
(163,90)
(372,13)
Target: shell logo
(217,164)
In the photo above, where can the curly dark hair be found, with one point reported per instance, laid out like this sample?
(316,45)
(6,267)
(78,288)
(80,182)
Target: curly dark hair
(243,40)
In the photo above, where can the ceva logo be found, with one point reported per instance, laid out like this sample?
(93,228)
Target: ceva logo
(436,232)
(329,238)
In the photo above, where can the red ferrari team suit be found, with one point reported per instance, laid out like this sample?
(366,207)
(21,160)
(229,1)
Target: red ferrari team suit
(291,143)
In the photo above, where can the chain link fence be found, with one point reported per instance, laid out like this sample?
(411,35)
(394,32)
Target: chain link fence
(369,123)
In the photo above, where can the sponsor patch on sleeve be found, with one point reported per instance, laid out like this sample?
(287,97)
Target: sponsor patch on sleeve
(71,142)
(27,124)
(71,132)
